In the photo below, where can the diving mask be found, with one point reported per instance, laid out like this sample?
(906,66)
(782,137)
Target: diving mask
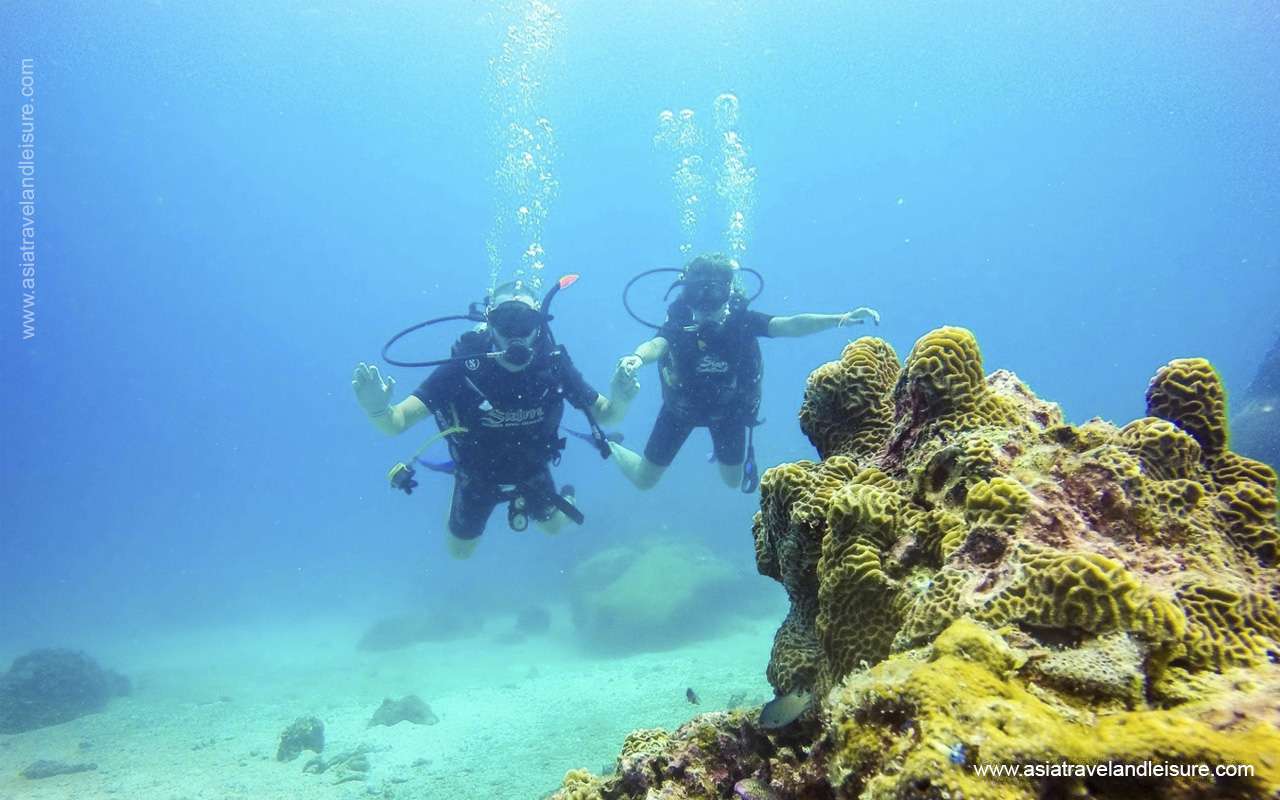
(514,320)
(706,295)
(515,326)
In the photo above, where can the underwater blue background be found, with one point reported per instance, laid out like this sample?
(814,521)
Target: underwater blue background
(238,202)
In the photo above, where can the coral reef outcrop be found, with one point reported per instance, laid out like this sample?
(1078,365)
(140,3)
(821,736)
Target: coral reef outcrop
(306,733)
(53,685)
(989,602)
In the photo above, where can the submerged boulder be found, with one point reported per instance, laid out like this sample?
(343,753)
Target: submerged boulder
(533,620)
(651,596)
(974,581)
(405,630)
(306,733)
(409,708)
(52,686)
(44,768)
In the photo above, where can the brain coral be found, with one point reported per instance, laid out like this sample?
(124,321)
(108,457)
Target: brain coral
(975,581)
(846,403)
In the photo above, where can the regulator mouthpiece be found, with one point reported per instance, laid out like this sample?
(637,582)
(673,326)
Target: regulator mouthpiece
(518,354)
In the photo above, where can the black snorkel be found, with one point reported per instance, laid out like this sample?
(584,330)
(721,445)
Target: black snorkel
(564,282)
(598,437)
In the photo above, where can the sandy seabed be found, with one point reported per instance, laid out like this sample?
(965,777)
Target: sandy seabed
(208,707)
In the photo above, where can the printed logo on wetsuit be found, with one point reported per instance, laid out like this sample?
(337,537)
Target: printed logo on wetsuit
(472,364)
(496,418)
(712,365)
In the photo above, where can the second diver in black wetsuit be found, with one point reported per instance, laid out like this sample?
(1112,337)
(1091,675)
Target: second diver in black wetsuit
(711,369)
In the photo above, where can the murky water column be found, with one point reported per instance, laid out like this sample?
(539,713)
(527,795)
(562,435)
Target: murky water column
(736,179)
(524,180)
(678,135)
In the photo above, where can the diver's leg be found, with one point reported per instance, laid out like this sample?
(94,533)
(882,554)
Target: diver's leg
(731,474)
(670,430)
(729,441)
(548,518)
(642,472)
(461,549)
(469,512)
(553,524)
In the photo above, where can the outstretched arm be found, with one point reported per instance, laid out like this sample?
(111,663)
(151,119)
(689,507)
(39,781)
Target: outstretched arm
(625,385)
(373,393)
(610,410)
(805,324)
(622,390)
(647,353)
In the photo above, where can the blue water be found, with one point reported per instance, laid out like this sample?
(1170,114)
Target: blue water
(238,203)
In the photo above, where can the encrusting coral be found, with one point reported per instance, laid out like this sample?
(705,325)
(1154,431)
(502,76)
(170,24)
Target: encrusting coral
(973,581)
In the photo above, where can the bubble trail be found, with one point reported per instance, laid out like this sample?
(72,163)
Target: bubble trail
(524,179)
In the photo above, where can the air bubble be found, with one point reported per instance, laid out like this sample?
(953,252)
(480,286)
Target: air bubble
(726,106)
(524,177)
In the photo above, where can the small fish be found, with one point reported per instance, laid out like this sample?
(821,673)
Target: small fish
(753,789)
(784,709)
(957,753)
(691,696)
(616,437)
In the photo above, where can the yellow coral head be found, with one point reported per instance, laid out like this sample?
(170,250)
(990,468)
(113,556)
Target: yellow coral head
(945,368)
(847,403)
(1189,393)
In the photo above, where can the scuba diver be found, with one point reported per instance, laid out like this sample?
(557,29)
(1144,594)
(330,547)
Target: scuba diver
(498,401)
(710,367)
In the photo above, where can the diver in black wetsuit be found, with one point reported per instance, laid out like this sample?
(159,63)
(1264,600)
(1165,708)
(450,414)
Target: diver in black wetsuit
(501,411)
(711,369)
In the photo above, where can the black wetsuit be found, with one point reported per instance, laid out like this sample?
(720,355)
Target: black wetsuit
(710,378)
(512,421)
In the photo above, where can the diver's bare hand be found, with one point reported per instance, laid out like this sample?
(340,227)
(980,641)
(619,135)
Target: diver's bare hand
(373,392)
(625,384)
(858,316)
(630,364)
